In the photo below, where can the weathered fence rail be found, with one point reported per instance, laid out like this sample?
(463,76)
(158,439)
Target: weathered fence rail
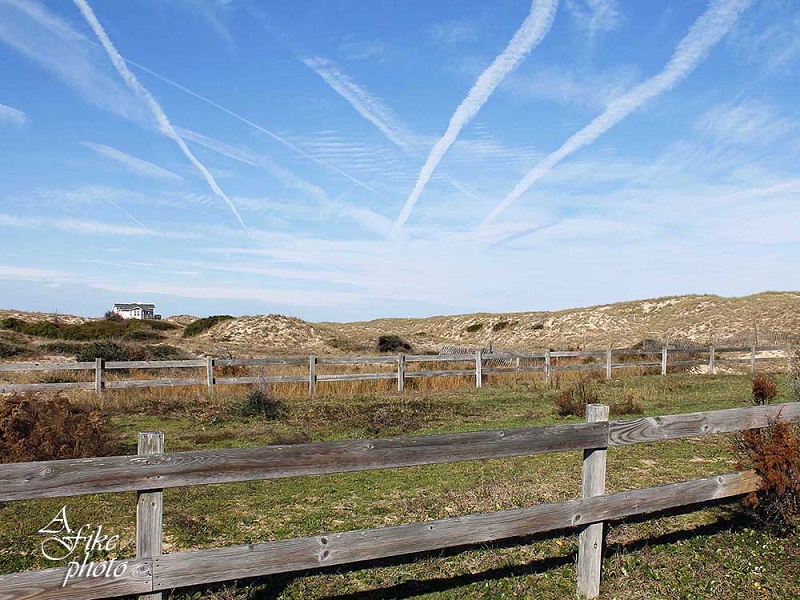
(546,362)
(152,470)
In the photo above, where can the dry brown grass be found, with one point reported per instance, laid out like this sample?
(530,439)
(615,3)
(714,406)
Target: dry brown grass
(41,426)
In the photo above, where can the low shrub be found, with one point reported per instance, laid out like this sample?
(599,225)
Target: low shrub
(142,335)
(9,349)
(500,325)
(36,426)
(260,403)
(114,351)
(392,343)
(164,352)
(110,351)
(537,326)
(112,316)
(572,401)
(764,390)
(105,329)
(67,348)
(475,327)
(394,418)
(774,454)
(200,325)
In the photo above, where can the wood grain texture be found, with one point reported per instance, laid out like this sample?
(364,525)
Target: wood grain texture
(593,483)
(27,387)
(589,367)
(149,508)
(442,373)
(668,427)
(256,362)
(45,584)
(509,370)
(48,479)
(224,564)
(144,383)
(47,366)
(263,378)
(356,376)
(156,364)
(355,360)
(401,370)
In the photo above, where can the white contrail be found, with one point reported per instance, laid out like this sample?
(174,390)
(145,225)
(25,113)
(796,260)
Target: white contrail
(533,30)
(255,126)
(163,122)
(368,106)
(12,116)
(40,14)
(706,32)
(131,163)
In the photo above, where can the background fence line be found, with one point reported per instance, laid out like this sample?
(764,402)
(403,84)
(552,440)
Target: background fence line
(153,572)
(546,363)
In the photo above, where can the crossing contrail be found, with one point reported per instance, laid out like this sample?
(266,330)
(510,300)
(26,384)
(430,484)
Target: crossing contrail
(161,118)
(704,34)
(528,36)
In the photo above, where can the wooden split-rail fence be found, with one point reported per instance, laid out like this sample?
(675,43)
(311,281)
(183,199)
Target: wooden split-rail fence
(546,362)
(152,470)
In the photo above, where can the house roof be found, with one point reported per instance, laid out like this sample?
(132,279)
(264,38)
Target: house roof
(125,306)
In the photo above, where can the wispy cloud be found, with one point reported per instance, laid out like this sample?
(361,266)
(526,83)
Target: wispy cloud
(46,39)
(261,293)
(595,16)
(578,87)
(215,13)
(750,122)
(453,33)
(131,163)
(31,274)
(12,116)
(280,139)
(361,50)
(88,227)
(533,30)
(704,34)
(368,106)
(771,39)
(163,122)
(368,219)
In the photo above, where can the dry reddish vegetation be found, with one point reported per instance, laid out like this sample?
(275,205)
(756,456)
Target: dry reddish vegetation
(774,453)
(764,390)
(36,426)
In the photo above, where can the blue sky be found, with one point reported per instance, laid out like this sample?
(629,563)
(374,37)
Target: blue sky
(343,160)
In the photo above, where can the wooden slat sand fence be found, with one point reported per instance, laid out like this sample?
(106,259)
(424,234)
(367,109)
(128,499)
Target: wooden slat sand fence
(152,470)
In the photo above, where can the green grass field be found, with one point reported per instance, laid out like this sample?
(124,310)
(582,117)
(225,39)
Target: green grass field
(715,552)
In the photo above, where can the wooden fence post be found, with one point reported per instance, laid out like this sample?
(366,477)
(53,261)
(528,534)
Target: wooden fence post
(150,509)
(711,366)
(99,372)
(401,372)
(590,543)
(664,360)
(210,374)
(753,360)
(547,368)
(312,375)
(478,368)
(608,363)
